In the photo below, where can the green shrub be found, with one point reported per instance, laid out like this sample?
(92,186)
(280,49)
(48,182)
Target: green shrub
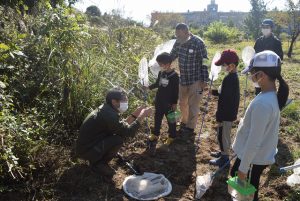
(22,135)
(218,32)
(53,73)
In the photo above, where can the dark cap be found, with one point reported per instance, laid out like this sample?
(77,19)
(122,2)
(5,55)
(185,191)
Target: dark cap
(268,22)
(227,57)
(115,93)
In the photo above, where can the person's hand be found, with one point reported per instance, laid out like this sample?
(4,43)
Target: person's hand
(138,110)
(146,112)
(174,107)
(242,176)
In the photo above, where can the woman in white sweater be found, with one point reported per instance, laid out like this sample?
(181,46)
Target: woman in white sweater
(256,141)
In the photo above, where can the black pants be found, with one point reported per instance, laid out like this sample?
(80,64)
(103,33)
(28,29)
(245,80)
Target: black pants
(255,173)
(104,151)
(160,112)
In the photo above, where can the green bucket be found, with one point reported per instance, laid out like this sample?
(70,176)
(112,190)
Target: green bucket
(173,116)
(240,190)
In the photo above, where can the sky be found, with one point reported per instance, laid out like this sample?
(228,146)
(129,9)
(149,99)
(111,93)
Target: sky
(140,10)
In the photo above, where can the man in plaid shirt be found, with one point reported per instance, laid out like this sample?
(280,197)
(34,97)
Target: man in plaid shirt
(191,51)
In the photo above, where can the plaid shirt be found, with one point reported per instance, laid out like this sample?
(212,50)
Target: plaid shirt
(190,56)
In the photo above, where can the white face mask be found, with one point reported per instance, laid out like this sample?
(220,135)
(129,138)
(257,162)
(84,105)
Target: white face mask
(255,84)
(123,107)
(225,68)
(266,32)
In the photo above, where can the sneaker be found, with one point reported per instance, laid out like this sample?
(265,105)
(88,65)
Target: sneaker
(103,169)
(216,154)
(169,141)
(180,124)
(220,161)
(151,144)
(153,137)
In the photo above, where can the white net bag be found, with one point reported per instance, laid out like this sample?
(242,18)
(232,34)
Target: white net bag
(165,47)
(143,72)
(215,70)
(148,186)
(247,54)
(294,179)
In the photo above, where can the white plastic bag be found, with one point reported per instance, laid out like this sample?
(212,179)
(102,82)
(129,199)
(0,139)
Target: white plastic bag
(202,184)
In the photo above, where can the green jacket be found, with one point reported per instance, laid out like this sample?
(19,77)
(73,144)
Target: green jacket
(102,122)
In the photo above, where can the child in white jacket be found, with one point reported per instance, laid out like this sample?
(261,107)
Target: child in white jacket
(256,141)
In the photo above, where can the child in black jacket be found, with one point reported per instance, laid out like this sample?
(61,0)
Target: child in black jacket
(228,104)
(268,41)
(165,100)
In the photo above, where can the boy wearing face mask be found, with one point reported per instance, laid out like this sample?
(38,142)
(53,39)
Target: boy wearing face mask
(101,133)
(268,41)
(166,99)
(228,104)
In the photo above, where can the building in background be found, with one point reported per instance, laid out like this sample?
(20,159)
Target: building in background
(203,18)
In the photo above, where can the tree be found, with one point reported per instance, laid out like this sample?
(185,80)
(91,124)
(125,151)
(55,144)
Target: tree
(28,5)
(294,23)
(255,17)
(93,11)
(21,4)
(230,23)
(72,2)
(281,20)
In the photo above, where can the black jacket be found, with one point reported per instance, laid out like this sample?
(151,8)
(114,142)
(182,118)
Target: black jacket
(270,43)
(100,123)
(166,95)
(229,98)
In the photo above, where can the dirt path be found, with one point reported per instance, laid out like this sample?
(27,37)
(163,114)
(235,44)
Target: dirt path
(62,178)
(179,163)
